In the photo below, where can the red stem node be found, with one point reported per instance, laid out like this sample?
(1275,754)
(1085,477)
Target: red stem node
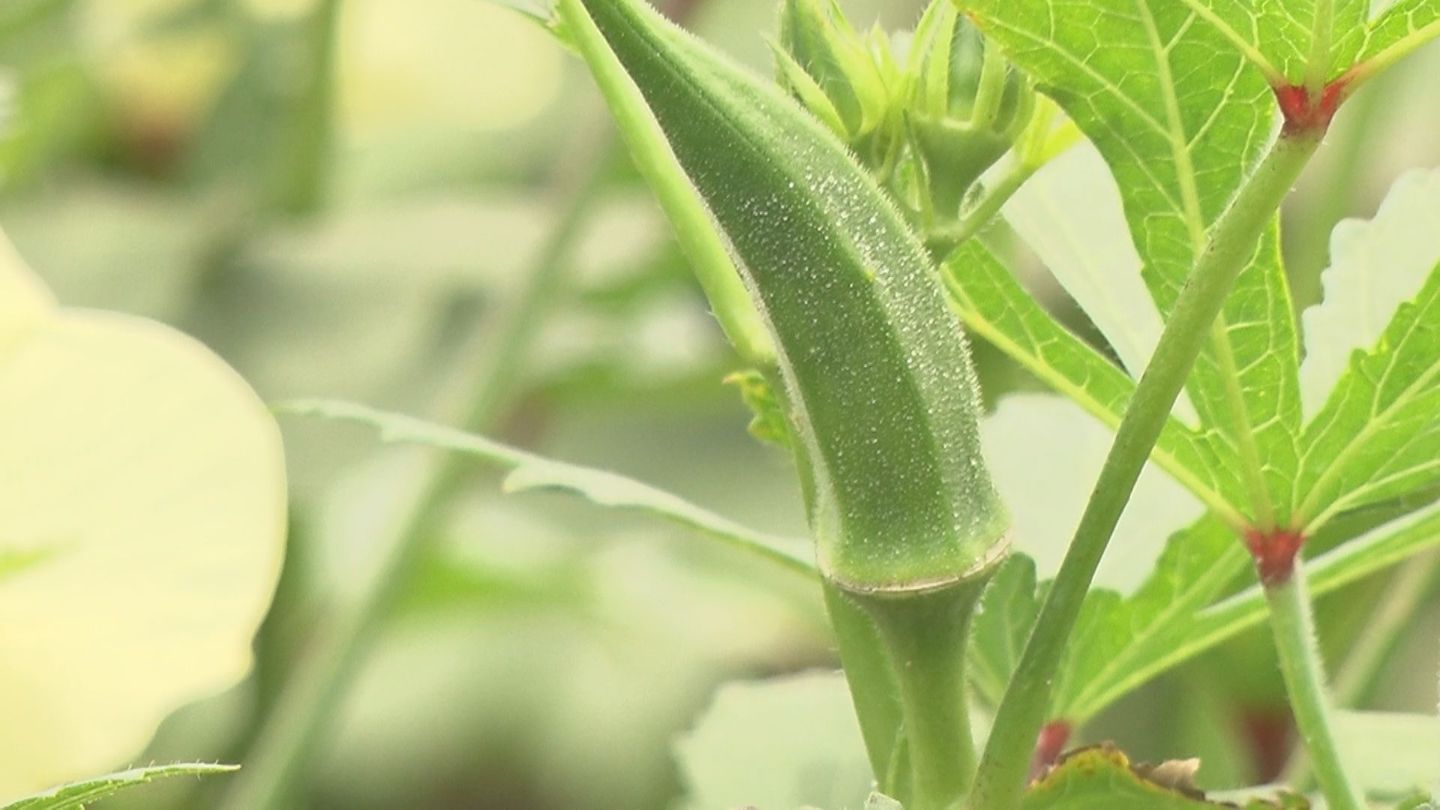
(1048,745)
(1305,113)
(1274,552)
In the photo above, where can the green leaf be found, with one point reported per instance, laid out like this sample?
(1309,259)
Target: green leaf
(1391,755)
(1375,266)
(1071,215)
(880,392)
(1002,624)
(1129,642)
(527,472)
(996,308)
(1180,119)
(1291,40)
(1378,434)
(79,795)
(1024,437)
(1315,42)
(1115,636)
(1102,778)
(1399,31)
(785,742)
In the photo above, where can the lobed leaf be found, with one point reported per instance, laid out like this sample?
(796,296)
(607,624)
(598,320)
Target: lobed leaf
(1102,778)
(1071,215)
(1180,119)
(995,307)
(1399,30)
(1291,40)
(1315,42)
(1375,266)
(1123,643)
(1378,434)
(1045,455)
(1002,624)
(528,472)
(1115,636)
(79,795)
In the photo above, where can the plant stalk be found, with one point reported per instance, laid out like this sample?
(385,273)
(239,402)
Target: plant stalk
(1231,244)
(1299,652)
(872,690)
(1403,596)
(926,634)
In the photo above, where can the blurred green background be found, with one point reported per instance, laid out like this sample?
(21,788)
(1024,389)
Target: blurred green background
(346,198)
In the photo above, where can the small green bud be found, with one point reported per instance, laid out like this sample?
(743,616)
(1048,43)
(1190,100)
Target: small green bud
(966,107)
(822,58)
(767,421)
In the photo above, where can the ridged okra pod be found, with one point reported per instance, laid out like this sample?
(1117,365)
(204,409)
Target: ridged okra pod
(878,389)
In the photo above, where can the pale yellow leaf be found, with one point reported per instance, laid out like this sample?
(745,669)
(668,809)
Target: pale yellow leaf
(142,491)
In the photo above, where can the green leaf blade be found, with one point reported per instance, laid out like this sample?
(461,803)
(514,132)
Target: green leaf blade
(529,472)
(995,307)
(1374,436)
(1002,624)
(1114,635)
(1181,119)
(1399,30)
(79,795)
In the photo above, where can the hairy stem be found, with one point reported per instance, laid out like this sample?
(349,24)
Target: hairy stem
(1230,246)
(1293,625)
(287,743)
(1404,594)
(926,634)
(945,239)
(872,689)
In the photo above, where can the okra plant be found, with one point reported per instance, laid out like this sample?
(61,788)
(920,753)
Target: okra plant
(851,222)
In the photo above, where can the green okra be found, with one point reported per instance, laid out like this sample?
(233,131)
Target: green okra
(878,387)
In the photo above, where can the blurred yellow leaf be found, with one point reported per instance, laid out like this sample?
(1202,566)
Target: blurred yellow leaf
(142,505)
(444,64)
